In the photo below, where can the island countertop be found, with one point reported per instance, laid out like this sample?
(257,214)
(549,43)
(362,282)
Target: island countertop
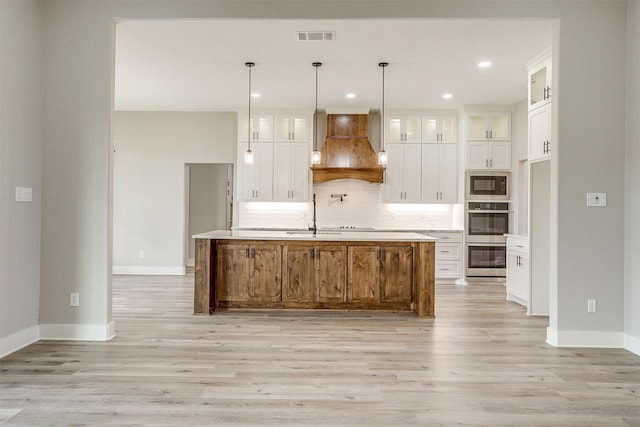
(322,235)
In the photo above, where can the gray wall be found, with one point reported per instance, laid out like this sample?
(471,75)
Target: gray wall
(632,226)
(590,107)
(152,149)
(21,60)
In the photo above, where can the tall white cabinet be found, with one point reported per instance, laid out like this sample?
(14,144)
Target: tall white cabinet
(281,146)
(423,165)
(528,263)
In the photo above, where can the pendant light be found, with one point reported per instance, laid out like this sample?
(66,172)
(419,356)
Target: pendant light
(316,156)
(383,158)
(248,155)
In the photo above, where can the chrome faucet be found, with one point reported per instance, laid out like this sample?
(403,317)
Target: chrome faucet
(314,228)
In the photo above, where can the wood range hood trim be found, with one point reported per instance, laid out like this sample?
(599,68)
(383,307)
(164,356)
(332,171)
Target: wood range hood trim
(347,152)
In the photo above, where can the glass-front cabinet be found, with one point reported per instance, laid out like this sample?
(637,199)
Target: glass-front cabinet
(261,129)
(291,128)
(540,80)
(403,129)
(437,129)
(489,126)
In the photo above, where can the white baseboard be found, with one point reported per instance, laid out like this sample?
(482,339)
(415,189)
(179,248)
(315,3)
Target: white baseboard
(149,270)
(632,344)
(587,339)
(77,332)
(20,339)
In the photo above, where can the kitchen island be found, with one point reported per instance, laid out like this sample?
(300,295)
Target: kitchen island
(301,270)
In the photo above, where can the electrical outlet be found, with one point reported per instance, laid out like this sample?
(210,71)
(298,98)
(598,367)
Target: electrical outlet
(74,299)
(140,254)
(597,199)
(591,305)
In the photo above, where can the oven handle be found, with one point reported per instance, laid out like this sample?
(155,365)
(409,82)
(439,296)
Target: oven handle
(484,211)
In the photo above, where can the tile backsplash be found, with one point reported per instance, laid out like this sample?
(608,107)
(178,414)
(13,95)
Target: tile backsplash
(361,207)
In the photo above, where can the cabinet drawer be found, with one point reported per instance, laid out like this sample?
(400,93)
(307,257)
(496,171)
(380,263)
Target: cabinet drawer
(518,245)
(446,236)
(448,251)
(448,269)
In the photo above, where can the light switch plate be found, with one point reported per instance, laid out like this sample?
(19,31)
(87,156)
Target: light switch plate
(24,194)
(597,199)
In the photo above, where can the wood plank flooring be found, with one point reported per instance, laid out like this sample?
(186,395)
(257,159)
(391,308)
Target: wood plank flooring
(481,362)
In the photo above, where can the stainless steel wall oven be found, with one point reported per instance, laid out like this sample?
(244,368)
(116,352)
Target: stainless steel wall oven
(486,225)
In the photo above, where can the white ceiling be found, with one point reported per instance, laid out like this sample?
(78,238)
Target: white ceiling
(198,65)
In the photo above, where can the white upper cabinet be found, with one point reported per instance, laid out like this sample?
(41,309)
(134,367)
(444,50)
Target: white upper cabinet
(403,173)
(489,126)
(261,128)
(403,129)
(540,81)
(436,129)
(291,172)
(540,133)
(439,173)
(256,180)
(489,155)
(293,128)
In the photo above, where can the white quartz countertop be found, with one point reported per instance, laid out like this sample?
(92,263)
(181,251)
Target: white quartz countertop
(322,235)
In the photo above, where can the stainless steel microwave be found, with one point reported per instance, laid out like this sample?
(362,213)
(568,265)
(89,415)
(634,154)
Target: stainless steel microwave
(488,185)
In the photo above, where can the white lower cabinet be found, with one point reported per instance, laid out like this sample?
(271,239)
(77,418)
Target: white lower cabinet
(518,269)
(448,255)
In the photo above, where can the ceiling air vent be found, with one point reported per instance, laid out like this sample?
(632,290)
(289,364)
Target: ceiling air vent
(305,36)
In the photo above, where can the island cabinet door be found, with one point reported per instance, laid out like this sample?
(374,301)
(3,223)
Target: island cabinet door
(234,272)
(331,273)
(298,274)
(266,273)
(364,274)
(396,274)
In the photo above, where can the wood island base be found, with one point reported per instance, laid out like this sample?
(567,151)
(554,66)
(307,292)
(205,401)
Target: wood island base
(314,274)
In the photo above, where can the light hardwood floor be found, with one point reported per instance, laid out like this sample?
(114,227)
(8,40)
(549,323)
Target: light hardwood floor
(481,362)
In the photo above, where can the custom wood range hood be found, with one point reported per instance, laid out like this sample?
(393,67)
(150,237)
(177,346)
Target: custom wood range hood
(347,152)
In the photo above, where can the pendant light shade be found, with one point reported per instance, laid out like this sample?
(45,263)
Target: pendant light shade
(316,156)
(248,155)
(383,158)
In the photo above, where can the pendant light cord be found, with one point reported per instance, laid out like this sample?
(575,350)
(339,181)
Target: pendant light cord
(315,117)
(382,65)
(250,65)
(315,113)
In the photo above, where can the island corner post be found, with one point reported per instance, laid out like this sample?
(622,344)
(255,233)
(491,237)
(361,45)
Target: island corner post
(421,288)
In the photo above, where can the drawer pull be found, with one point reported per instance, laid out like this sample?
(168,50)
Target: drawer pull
(445,252)
(519,246)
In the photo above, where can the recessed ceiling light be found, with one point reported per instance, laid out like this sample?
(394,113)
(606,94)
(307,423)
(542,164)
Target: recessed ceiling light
(484,64)
(351,95)
(255,95)
(447,96)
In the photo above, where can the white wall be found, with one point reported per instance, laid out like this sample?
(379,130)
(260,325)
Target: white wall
(632,225)
(21,59)
(152,149)
(590,101)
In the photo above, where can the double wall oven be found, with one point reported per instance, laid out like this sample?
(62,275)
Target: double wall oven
(487,212)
